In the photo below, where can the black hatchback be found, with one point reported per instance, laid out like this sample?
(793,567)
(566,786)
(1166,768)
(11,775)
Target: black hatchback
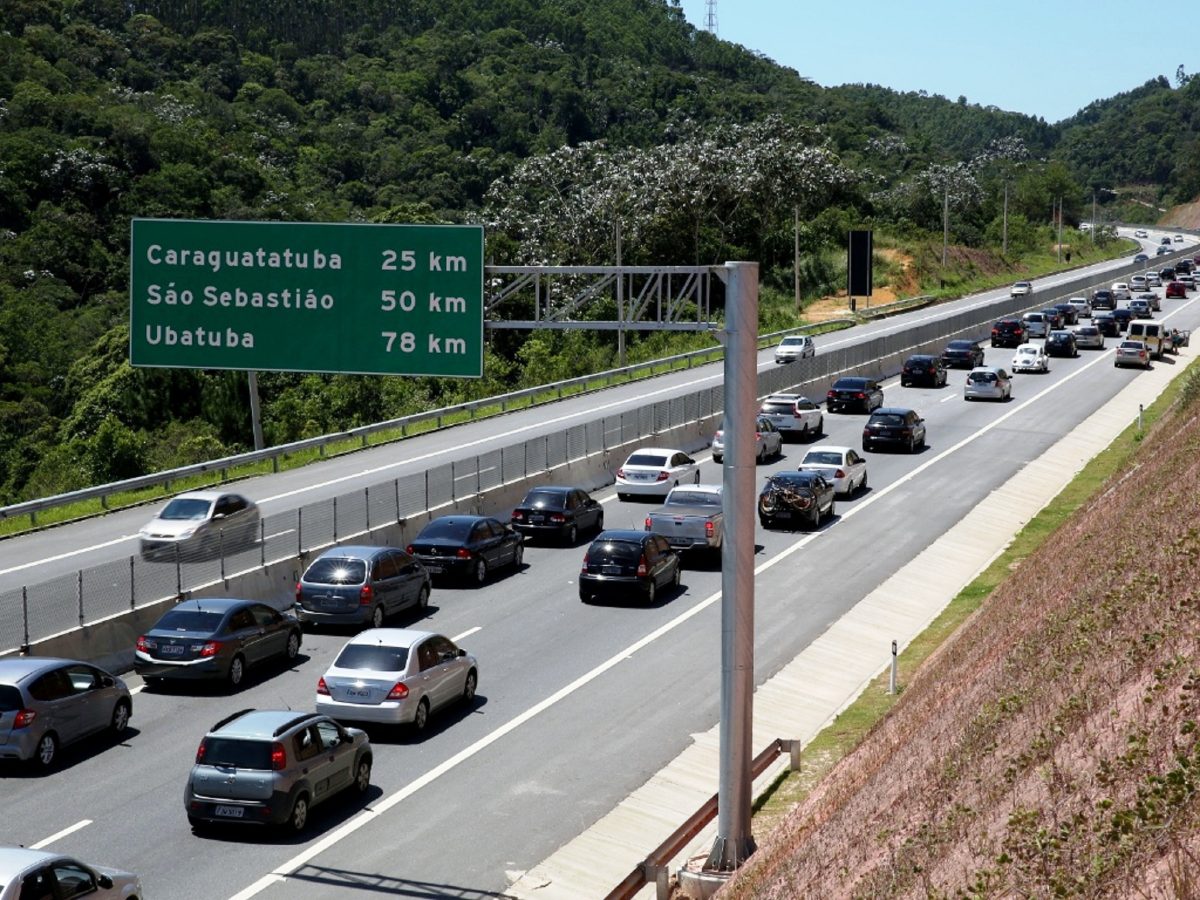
(215,639)
(469,547)
(623,563)
(962,355)
(557,512)
(894,427)
(923,369)
(1008,333)
(1061,343)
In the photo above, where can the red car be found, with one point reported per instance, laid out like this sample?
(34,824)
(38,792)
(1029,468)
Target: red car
(1176,289)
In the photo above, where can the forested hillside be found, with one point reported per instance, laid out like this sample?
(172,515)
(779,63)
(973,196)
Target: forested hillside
(552,122)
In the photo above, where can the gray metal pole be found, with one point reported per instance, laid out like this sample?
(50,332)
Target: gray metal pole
(735,842)
(255,412)
(945,224)
(1005,249)
(796,256)
(620,305)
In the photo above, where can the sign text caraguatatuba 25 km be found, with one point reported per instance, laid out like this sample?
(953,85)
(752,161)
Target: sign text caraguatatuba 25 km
(305,297)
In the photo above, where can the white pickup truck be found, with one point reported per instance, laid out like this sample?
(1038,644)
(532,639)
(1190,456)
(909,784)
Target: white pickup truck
(691,518)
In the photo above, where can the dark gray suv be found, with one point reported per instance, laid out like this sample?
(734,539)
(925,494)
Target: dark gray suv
(360,585)
(270,767)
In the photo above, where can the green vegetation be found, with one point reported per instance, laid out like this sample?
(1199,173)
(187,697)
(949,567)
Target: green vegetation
(858,720)
(550,123)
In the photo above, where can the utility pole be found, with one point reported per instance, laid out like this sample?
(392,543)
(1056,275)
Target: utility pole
(1005,250)
(945,223)
(1093,228)
(620,304)
(1060,229)
(796,258)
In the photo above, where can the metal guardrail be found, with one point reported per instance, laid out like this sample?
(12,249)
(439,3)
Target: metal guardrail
(403,424)
(654,868)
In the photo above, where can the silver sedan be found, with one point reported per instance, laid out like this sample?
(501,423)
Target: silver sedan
(768,441)
(844,467)
(396,676)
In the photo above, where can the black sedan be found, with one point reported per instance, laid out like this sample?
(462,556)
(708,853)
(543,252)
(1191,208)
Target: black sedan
(1061,343)
(800,498)
(1069,313)
(962,355)
(623,563)
(923,369)
(895,427)
(557,512)
(468,547)
(214,639)
(1054,316)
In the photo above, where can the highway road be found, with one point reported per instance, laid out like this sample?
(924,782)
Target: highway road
(577,704)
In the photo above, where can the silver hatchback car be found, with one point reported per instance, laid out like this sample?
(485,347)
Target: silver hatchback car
(47,703)
(988,383)
(39,873)
(396,676)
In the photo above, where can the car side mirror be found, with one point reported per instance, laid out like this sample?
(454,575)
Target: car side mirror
(107,681)
(462,652)
(104,881)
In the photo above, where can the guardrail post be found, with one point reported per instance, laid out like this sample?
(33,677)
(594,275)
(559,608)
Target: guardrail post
(427,488)
(335,519)
(25,618)
(367,507)
(892,677)
(262,542)
(660,877)
(275,464)
(300,531)
(104,501)
(79,595)
(132,592)
(221,550)
(794,747)
(178,573)
(396,485)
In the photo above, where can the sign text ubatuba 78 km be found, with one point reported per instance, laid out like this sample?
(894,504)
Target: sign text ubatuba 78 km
(300,297)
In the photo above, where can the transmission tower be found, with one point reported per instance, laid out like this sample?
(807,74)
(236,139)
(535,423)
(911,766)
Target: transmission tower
(710,16)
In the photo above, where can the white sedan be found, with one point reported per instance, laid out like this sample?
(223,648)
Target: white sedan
(1030,358)
(654,471)
(844,467)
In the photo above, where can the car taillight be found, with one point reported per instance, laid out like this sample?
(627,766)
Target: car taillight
(278,756)
(398,692)
(365,595)
(24,718)
(518,515)
(462,553)
(866,431)
(641,569)
(409,550)
(663,476)
(557,518)
(583,568)
(860,396)
(709,529)
(620,473)
(322,687)
(142,645)
(298,592)
(831,394)
(212,648)
(995,331)
(839,474)
(647,523)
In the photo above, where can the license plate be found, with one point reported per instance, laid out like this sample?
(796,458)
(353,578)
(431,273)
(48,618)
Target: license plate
(610,570)
(783,514)
(536,520)
(330,603)
(434,569)
(231,812)
(361,693)
(171,650)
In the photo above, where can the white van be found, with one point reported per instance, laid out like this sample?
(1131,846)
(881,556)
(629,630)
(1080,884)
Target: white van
(1155,335)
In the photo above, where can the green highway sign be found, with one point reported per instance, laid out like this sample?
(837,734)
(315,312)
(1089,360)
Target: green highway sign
(307,297)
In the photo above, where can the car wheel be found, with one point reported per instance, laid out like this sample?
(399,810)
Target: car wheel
(912,445)
(651,592)
(421,716)
(572,534)
(237,671)
(764,521)
(120,717)
(820,428)
(758,457)
(423,597)
(518,555)
(469,687)
(599,523)
(717,457)
(46,751)
(921,446)
(903,382)
(696,479)
(293,645)
(377,617)
(866,446)
(862,485)
(815,520)
(196,823)
(584,596)
(678,577)
(479,571)
(362,777)
(297,820)
(832,508)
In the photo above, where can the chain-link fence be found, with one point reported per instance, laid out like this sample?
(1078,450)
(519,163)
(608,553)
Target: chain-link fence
(37,611)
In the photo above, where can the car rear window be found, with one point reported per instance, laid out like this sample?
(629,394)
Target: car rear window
(448,528)
(545,499)
(791,481)
(849,384)
(695,498)
(337,570)
(234,753)
(646,459)
(823,458)
(377,657)
(10,699)
(877,419)
(190,620)
(981,377)
(776,406)
(614,552)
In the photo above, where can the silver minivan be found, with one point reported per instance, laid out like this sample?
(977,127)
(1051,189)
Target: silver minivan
(360,585)
(47,703)
(1036,325)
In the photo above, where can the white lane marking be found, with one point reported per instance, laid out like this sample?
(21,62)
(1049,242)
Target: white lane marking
(467,633)
(280,874)
(59,835)
(951,397)
(68,554)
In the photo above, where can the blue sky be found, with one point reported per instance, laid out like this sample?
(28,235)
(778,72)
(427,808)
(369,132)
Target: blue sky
(1048,58)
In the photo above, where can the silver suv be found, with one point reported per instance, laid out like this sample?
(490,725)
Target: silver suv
(270,767)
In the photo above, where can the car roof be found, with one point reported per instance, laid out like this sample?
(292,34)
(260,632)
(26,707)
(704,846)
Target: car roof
(212,604)
(787,397)
(666,450)
(203,495)
(849,379)
(391,637)
(829,448)
(457,518)
(354,550)
(16,860)
(892,411)
(986,369)
(1061,331)
(923,356)
(621,534)
(962,343)
(259,723)
(18,668)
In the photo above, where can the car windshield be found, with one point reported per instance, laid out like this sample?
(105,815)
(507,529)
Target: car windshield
(791,342)
(448,528)
(545,499)
(204,621)
(656,460)
(237,754)
(375,657)
(186,508)
(822,458)
(603,552)
(695,498)
(337,570)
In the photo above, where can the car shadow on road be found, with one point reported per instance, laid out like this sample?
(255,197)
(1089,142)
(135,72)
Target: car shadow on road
(377,883)
(70,756)
(441,720)
(213,687)
(322,819)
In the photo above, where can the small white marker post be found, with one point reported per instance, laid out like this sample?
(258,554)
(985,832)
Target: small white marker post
(1140,410)
(892,680)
